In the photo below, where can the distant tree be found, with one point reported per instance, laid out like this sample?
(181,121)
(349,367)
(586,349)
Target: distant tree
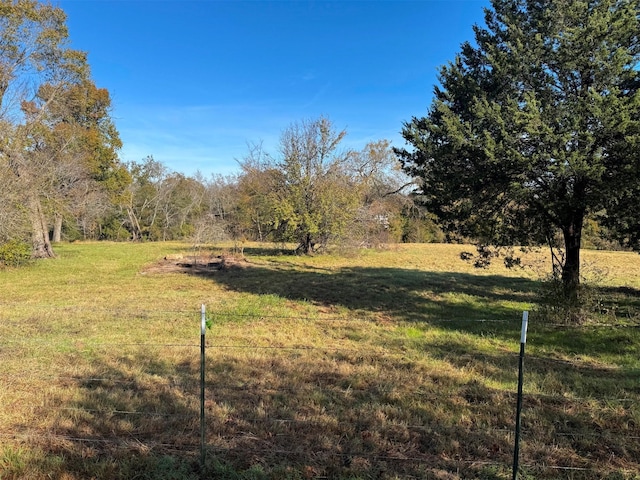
(145,197)
(13,224)
(316,200)
(418,225)
(257,196)
(309,197)
(161,204)
(181,203)
(219,219)
(622,212)
(535,127)
(220,196)
(383,188)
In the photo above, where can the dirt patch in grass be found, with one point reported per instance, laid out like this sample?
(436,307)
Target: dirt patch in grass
(196,264)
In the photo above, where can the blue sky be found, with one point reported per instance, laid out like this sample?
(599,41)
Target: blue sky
(193,82)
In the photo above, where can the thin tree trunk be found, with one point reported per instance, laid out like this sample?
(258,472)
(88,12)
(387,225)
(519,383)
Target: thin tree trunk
(259,227)
(57,229)
(135,225)
(41,245)
(306,244)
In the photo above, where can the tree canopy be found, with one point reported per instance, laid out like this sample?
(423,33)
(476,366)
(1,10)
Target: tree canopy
(307,195)
(313,192)
(535,127)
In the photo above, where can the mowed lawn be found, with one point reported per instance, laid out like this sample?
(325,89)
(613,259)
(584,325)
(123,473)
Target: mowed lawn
(374,364)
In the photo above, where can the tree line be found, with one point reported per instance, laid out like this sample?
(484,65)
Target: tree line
(309,194)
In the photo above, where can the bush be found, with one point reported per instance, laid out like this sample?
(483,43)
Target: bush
(14,253)
(421,230)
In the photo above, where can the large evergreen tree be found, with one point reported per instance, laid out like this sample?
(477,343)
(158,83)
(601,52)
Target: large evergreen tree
(535,126)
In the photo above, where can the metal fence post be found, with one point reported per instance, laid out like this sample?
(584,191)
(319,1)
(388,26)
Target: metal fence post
(523,341)
(203,326)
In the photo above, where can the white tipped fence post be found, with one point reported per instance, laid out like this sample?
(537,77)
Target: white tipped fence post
(203,327)
(523,341)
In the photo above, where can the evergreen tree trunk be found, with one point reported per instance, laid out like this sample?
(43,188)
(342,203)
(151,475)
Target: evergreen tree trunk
(572,233)
(41,245)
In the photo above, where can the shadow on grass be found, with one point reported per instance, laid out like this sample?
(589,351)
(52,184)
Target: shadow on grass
(274,414)
(620,302)
(132,416)
(621,344)
(269,416)
(278,413)
(269,251)
(405,294)
(450,300)
(329,417)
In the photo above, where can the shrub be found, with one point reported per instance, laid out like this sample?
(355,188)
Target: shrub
(14,253)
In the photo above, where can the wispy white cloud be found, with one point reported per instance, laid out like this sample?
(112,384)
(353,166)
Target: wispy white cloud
(208,138)
(194,99)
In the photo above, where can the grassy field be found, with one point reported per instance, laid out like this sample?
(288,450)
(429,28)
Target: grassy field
(376,364)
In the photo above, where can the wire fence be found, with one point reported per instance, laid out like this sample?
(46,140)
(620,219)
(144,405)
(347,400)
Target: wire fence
(329,409)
